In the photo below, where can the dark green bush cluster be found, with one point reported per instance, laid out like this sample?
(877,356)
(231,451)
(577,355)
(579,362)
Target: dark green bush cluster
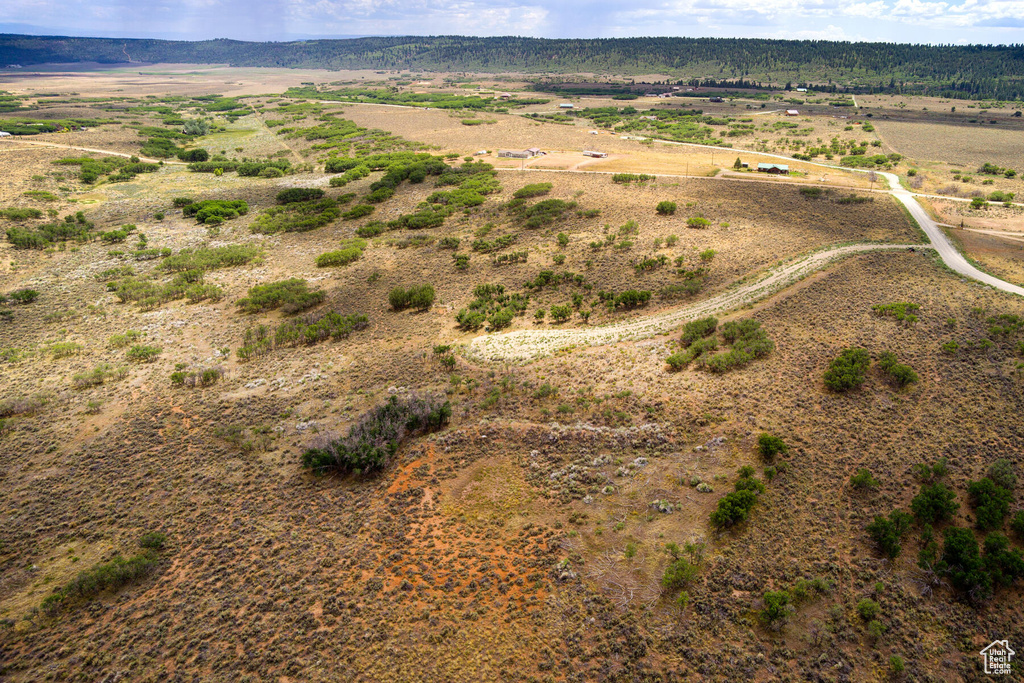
(291,295)
(307,329)
(631,298)
(371,229)
(848,370)
(1004,324)
(991,503)
(689,287)
(449,242)
(119,168)
(375,438)
(149,294)
(296,216)
(666,208)
(193,155)
(863,479)
(735,507)
(214,211)
(698,329)
(75,227)
(541,214)
(420,297)
(769,445)
(532,190)
(510,257)
(211,258)
(142,353)
(200,377)
(748,342)
(150,254)
(903,311)
(20,296)
(299,194)
(887,532)
(493,306)
(107,576)
(548,278)
(424,218)
(263,169)
(901,375)
(976,574)
(220,164)
(683,567)
(484,246)
(15,214)
(650,263)
(626,178)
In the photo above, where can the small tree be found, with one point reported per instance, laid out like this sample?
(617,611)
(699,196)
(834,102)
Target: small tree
(991,503)
(887,532)
(935,503)
(738,164)
(769,446)
(776,609)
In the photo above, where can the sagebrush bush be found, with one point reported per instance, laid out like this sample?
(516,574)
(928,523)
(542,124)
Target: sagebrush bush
(420,297)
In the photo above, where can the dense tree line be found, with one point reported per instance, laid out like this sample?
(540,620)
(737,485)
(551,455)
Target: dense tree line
(954,71)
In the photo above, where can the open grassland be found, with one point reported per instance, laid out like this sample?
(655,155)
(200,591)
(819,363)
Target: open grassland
(965,146)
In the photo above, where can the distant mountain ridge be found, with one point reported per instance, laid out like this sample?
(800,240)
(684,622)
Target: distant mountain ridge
(971,71)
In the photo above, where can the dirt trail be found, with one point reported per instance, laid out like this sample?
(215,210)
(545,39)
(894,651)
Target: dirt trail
(97,151)
(526,345)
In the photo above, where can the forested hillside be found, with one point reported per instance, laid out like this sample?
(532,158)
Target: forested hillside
(953,71)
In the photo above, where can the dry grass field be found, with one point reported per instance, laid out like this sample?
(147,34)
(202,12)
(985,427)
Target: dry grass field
(527,539)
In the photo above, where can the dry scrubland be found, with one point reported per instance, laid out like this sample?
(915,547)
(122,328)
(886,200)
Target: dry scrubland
(520,543)
(960,146)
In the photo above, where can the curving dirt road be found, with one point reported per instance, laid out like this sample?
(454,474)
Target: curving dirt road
(526,345)
(96,151)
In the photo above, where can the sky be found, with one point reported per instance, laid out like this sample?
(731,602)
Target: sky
(904,21)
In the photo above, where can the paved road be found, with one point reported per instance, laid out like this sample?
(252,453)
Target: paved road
(950,256)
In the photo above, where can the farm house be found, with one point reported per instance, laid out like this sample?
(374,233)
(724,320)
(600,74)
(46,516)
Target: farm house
(774,169)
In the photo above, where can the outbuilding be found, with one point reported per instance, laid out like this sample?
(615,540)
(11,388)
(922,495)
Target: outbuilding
(792,112)
(594,153)
(5,134)
(565,105)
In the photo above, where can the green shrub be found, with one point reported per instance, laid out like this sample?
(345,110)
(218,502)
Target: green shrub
(307,329)
(868,609)
(561,313)
(100,374)
(371,229)
(299,194)
(1017,524)
(216,208)
(848,370)
(733,507)
(899,374)
(211,258)
(16,214)
(887,532)
(679,573)
(375,438)
(23,296)
(991,503)
(776,608)
(632,298)
(533,190)
(935,503)
(863,480)
(1002,474)
(698,222)
(420,297)
(769,446)
(141,353)
(296,216)
(339,257)
(290,295)
(666,208)
(357,211)
(119,341)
